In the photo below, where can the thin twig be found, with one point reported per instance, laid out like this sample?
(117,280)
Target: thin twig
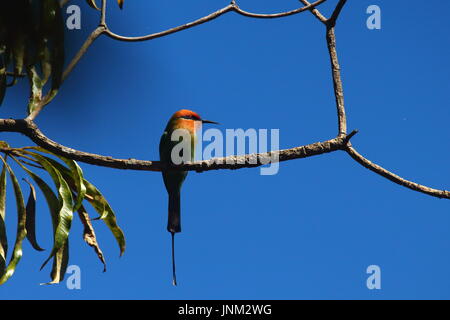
(103,14)
(315,12)
(336,72)
(231,7)
(337,11)
(197,22)
(84,48)
(276,15)
(395,178)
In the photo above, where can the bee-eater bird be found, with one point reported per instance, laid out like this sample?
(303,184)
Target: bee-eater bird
(187,122)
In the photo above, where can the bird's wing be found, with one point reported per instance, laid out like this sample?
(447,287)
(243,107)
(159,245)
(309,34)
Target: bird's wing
(166,145)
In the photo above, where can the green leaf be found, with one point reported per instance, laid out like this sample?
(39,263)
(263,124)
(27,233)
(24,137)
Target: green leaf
(18,51)
(46,65)
(31,218)
(88,232)
(95,198)
(60,263)
(21,229)
(52,33)
(61,257)
(3,237)
(77,176)
(65,204)
(36,86)
(98,202)
(22,30)
(50,197)
(58,57)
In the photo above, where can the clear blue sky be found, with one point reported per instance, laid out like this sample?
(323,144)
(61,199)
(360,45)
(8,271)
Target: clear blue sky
(309,232)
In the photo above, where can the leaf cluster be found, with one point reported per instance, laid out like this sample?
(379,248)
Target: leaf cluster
(69,193)
(31,46)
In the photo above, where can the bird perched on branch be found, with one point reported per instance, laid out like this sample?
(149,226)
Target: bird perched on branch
(181,129)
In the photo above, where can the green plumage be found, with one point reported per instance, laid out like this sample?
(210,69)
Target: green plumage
(173,180)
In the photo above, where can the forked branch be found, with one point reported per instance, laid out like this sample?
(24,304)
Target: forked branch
(341,142)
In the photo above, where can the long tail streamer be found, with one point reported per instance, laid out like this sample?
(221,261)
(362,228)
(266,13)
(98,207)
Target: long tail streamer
(174,274)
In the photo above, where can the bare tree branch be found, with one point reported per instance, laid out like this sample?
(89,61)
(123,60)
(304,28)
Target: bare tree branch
(231,7)
(342,119)
(337,79)
(315,12)
(197,22)
(89,41)
(275,15)
(84,48)
(335,67)
(395,178)
(337,11)
(341,142)
(30,129)
(103,14)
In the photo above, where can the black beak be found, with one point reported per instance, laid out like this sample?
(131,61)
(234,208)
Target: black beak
(208,121)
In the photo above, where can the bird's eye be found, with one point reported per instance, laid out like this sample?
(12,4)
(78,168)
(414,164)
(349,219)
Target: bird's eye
(189,118)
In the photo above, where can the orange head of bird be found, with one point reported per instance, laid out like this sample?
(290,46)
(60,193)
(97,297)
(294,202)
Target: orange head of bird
(187,119)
